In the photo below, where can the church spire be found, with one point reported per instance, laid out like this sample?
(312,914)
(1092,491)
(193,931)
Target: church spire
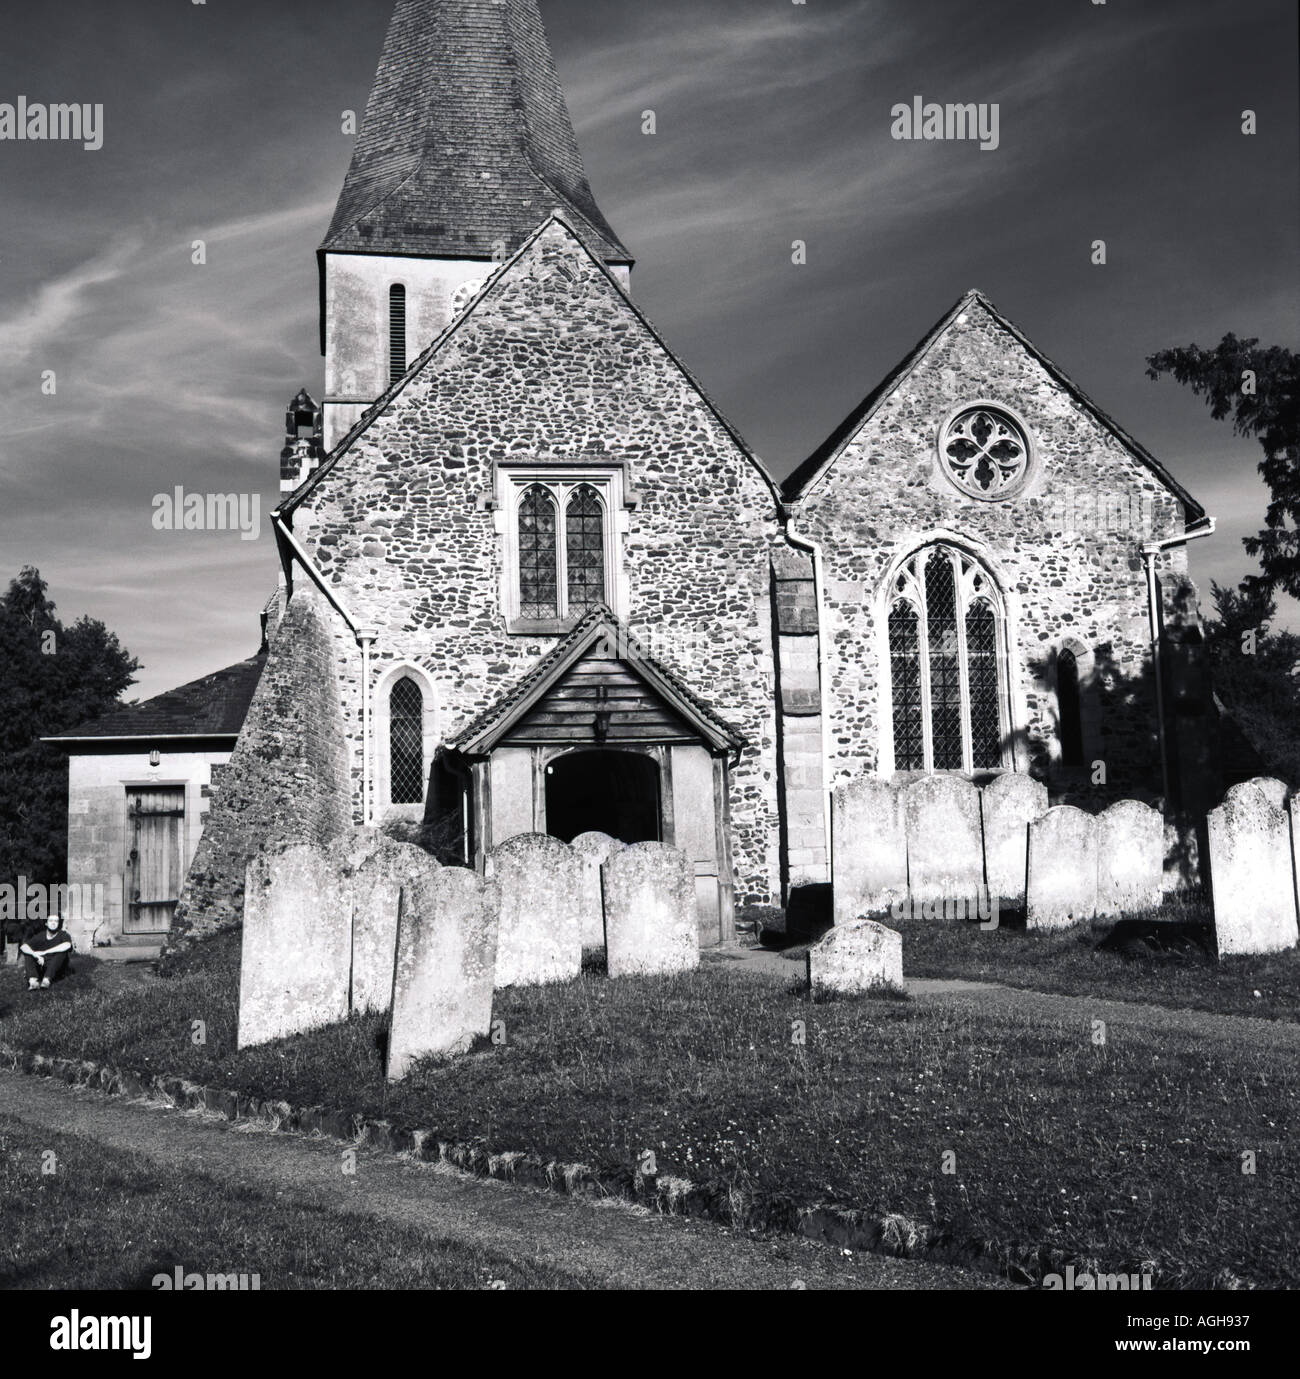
(466,144)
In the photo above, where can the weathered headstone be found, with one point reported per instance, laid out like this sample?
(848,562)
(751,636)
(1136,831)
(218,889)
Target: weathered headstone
(1062,876)
(856,957)
(945,846)
(650,920)
(1251,877)
(1274,791)
(376,891)
(293,973)
(446,966)
(1130,858)
(593,851)
(869,855)
(1008,805)
(541,905)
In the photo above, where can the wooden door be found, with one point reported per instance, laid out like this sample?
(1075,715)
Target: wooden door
(154,816)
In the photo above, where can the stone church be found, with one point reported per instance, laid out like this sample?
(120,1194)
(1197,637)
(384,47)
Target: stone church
(535,581)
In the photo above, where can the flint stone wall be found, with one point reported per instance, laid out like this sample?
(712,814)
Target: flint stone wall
(650,918)
(296,950)
(1062,877)
(593,851)
(856,957)
(1130,858)
(446,966)
(870,848)
(539,883)
(1251,875)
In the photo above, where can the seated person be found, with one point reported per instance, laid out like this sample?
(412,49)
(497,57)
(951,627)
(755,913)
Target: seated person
(45,954)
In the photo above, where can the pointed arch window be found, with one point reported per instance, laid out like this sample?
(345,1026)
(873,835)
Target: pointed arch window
(559,549)
(406,743)
(947,671)
(396,332)
(1069,707)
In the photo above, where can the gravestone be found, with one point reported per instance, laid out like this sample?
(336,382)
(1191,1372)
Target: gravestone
(855,957)
(376,892)
(1274,791)
(593,851)
(1008,805)
(293,971)
(1130,858)
(446,966)
(650,919)
(539,881)
(869,856)
(1062,878)
(1251,877)
(945,844)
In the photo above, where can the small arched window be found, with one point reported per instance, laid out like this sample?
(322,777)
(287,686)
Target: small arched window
(396,332)
(584,541)
(1069,708)
(538,566)
(947,676)
(406,743)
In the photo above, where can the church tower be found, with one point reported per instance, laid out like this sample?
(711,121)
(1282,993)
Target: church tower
(465,148)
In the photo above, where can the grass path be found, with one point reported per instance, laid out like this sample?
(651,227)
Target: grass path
(596,1247)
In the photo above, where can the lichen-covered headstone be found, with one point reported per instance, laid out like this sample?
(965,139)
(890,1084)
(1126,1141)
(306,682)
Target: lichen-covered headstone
(1274,791)
(1062,875)
(869,848)
(1251,877)
(945,845)
(855,957)
(376,886)
(650,919)
(293,973)
(446,966)
(541,910)
(1130,858)
(593,851)
(1008,806)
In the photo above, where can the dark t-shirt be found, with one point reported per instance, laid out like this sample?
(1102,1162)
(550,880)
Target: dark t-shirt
(44,941)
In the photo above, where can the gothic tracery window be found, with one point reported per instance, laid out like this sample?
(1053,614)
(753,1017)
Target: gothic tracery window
(538,565)
(585,549)
(562,538)
(946,669)
(985,452)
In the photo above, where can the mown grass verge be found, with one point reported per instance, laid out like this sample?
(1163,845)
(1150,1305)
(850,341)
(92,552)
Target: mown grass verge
(102,1220)
(1115,1155)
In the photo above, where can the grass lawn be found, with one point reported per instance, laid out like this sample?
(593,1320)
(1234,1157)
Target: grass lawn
(1067,961)
(102,1220)
(1061,1149)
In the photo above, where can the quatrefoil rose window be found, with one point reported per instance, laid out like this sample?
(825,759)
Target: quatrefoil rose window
(985,453)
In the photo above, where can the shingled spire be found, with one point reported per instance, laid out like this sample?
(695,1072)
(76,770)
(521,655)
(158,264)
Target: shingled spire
(467,144)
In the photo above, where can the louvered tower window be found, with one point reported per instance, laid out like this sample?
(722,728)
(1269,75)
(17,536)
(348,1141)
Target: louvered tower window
(1069,709)
(947,675)
(406,743)
(396,332)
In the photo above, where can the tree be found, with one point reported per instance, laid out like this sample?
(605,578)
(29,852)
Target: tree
(1256,674)
(51,678)
(1260,390)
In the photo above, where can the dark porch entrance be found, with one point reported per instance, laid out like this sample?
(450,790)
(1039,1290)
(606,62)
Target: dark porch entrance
(604,792)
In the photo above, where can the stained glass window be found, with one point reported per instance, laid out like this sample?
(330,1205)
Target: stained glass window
(905,668)
(406,743)
(538,578)
(945,668)
(585,549)
(982,676)
(945,664)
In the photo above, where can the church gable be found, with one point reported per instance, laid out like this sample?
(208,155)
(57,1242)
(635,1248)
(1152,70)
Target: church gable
(1055,441)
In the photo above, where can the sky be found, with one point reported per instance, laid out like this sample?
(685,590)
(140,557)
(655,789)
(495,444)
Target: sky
(223,123)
